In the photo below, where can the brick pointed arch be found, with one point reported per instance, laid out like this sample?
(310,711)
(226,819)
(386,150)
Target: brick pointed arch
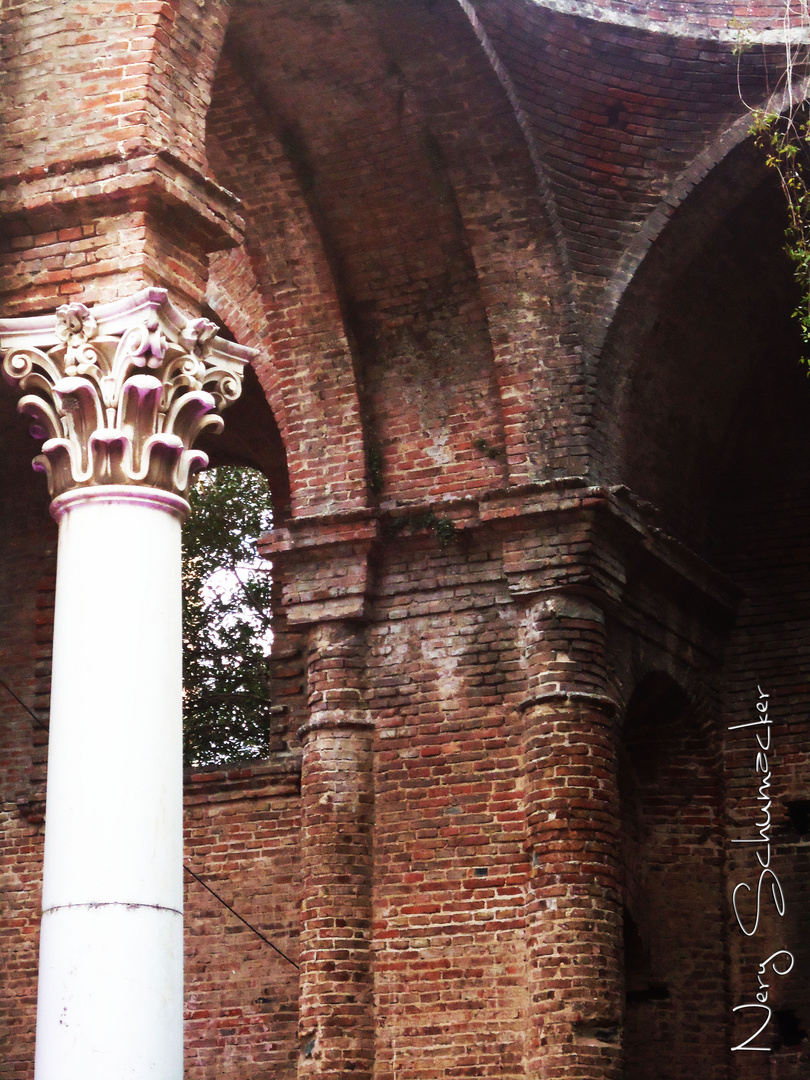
(409,269)
(701,329)
(672,890)
(735,142)
(278,289)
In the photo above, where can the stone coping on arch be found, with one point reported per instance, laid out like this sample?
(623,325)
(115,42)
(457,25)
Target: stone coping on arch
(765,24)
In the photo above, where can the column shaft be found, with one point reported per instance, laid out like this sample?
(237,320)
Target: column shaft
(574,925)
(574,914)
(336,1018)
(119,394)
(110,985)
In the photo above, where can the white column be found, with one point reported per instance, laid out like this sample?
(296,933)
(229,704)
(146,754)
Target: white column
(119,395)
(112,932)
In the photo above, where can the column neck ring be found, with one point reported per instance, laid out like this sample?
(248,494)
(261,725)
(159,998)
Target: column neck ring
(337,720)
(118,494)
(601,702)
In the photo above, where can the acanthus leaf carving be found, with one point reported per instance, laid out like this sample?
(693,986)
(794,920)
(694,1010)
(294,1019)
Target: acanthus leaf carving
(121,392)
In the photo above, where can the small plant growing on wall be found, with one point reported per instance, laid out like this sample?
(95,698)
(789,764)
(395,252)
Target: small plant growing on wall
(783,133)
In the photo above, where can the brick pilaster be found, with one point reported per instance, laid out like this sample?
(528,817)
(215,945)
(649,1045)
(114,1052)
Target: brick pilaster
(336,1004)
(573,903)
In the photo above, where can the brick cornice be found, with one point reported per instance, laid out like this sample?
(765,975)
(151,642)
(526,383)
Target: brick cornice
(580,698)
(561,534)
(617,522)
(274,778)
(322,531)
(54,195)
(333,719)
(326,566)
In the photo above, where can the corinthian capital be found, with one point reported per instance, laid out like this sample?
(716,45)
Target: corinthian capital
(120,392)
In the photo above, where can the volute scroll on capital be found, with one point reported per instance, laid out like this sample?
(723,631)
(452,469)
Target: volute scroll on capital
(120,392)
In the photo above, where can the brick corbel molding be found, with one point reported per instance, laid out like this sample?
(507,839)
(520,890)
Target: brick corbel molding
(337,719)
(563,535)
(607,543)
(324,566)
(601,702)
(60,194)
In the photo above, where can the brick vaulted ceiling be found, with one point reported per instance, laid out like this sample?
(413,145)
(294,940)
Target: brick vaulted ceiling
(447,198)
(383,107)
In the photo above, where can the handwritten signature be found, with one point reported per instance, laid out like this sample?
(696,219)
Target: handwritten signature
(780,962)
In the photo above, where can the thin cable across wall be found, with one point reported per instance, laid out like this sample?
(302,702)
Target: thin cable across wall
(241,918)
(20,702)
(186,867)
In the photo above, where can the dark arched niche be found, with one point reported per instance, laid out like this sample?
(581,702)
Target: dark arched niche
(672,890)
(27,567)
(705,413)
(700,391)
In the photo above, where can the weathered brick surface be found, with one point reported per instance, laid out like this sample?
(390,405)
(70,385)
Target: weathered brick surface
(618,115)
(93,78)
(450,866)
(100,259)
(336,1024)
(281,295)
(527,397)
(712,18)
(26,619)
(242,999)
(108,192)
(573,911)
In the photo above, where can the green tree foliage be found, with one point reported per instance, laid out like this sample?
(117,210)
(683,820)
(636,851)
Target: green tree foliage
(226,619)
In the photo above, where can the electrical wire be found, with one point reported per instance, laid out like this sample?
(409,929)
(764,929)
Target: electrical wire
(187,868)
(225,903)
(19,701)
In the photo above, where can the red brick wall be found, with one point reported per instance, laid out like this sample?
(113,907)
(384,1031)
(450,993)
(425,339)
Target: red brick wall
(696,17)
(242,996)
(537,436)
(450,867)
(138,72)
(27,556)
